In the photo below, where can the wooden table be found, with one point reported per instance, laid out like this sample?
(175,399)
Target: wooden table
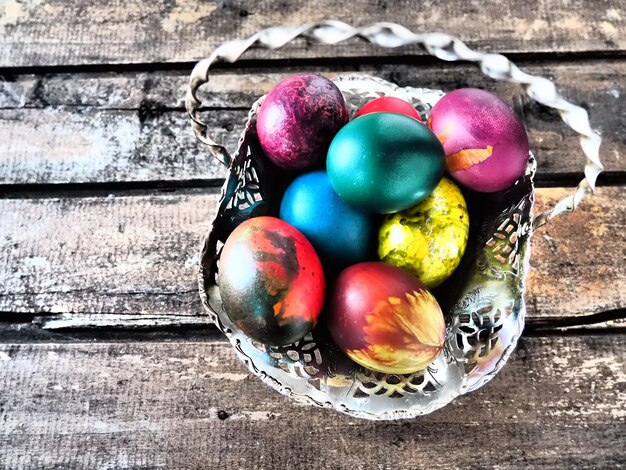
(106,358)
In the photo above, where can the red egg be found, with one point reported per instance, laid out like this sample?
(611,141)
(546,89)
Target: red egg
(271,281)
(298,119)
(485,142)
(385,319)
(388,104)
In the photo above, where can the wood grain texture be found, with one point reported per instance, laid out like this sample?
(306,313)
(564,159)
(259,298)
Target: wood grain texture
(154,387)
(138,255)
(53,32)
(558,403)
(57,145)
(99,128)
(597,233)
(105,255)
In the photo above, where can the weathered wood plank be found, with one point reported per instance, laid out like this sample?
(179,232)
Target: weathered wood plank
(108,255)
(138,255)
(559,279)
(585,80)
(131,127)
(558,403)
(61,145)
(58,32)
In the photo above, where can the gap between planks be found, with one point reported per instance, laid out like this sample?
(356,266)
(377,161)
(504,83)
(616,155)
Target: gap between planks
(11,73)
(106,328)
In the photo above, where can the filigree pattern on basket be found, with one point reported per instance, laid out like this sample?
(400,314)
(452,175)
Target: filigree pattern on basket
(422,99)
(247,192)
(483,325)
(484,307)
(368,383)
(502,255)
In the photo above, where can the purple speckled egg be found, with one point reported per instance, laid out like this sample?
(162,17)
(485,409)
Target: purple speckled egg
(298,120)
(485,142)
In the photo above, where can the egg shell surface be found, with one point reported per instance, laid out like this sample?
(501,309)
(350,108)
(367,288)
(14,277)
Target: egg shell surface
(271,281)
(384,162)
(485,142)
(385,319)
(428,239)
(298,119)
(340,233)
(388,104)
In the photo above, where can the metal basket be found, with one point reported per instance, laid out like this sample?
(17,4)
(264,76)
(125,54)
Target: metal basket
(483,302)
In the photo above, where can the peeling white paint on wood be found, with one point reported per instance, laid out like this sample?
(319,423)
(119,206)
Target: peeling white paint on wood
(229,376)
(609,29)
(614,14)
(147,319)
(37,261)
(10,12)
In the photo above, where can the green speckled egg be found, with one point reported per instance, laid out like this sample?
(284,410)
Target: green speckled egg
(428,239)
(384,162)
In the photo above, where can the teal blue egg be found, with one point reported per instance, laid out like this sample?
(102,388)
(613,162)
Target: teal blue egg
(340,233)
(385,162)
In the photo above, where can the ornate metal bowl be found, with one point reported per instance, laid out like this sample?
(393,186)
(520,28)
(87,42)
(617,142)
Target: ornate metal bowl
(483,303)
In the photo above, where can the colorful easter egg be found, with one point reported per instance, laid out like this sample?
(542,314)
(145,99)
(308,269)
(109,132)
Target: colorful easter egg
(271,281)
(385,319)
(340,233)
(384,162)
(388,104)
(428,239)
(485,141)
(298,119)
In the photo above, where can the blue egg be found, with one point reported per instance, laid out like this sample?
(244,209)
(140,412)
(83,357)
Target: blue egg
(340,233)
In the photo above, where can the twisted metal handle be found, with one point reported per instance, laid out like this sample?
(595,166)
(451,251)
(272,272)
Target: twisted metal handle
(443,46)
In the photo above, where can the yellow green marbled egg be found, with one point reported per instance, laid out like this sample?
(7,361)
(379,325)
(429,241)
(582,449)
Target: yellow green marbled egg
(429,238)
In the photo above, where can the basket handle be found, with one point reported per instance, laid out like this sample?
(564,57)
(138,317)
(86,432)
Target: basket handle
(443,46)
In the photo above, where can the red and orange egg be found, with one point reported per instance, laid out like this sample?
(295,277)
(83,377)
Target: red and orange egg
(271,281)
(385,319)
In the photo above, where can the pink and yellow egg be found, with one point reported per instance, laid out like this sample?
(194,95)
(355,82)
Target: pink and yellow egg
(484,140)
